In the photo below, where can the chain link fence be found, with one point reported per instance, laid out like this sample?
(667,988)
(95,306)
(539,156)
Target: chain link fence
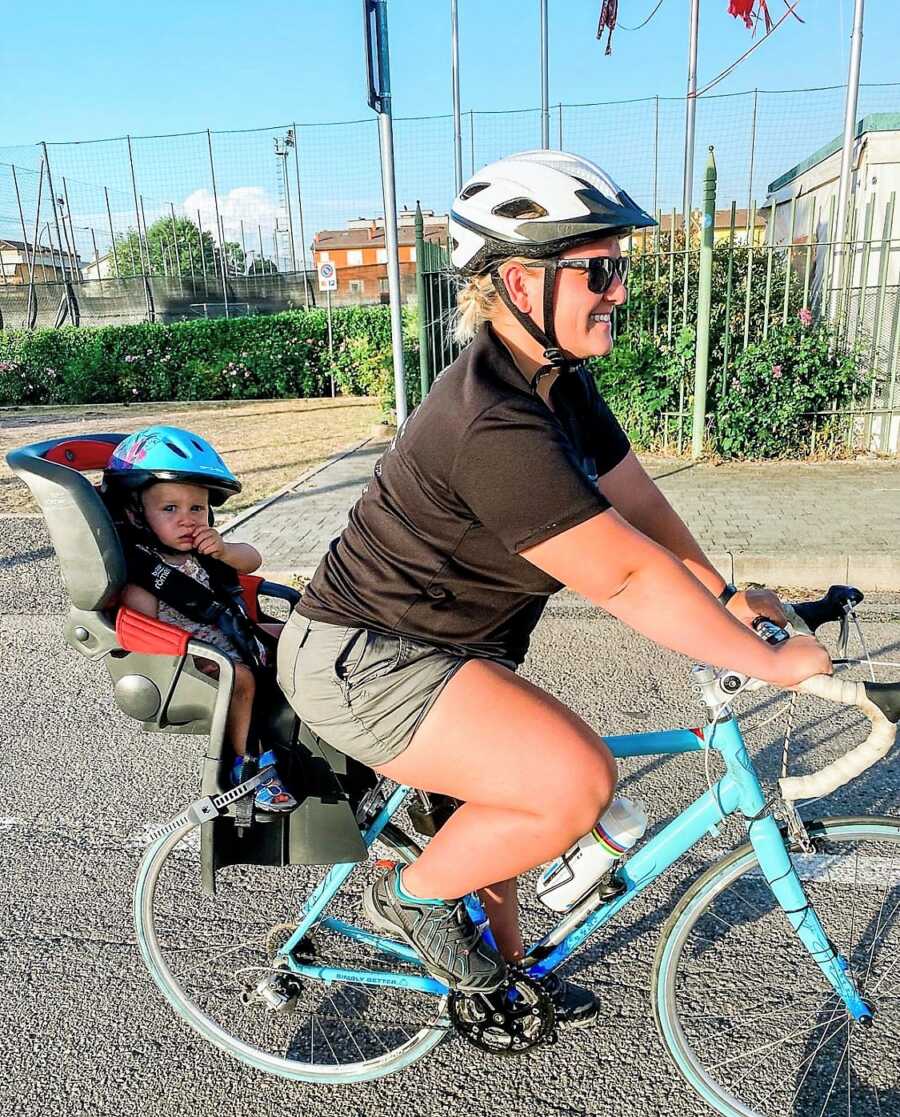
(217,215)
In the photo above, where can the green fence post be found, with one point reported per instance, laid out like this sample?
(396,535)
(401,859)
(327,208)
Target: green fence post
(704,298)
(424,365)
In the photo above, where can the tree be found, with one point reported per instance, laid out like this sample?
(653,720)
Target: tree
(170,248)
(262,265)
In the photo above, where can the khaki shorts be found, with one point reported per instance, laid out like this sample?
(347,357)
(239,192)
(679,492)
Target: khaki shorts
(361,691)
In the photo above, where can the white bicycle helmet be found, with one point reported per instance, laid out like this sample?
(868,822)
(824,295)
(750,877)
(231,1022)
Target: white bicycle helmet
(537,204)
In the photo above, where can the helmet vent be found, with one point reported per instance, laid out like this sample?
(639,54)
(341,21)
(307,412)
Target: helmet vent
(175,449)
(519,207)
(473,189)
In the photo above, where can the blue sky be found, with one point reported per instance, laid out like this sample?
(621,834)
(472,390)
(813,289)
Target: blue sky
(98,68)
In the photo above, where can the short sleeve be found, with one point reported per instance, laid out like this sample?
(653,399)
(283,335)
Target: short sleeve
(519,475)
(609,443)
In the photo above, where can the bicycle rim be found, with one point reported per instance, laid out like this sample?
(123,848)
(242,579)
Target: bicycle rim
(205,952)
(745,1012)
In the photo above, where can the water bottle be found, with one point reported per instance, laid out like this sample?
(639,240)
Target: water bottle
(570,877)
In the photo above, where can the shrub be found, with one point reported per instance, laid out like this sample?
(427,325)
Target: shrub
(775,385)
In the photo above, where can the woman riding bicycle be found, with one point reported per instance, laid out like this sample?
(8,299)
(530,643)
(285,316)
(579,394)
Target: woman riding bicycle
(510,481)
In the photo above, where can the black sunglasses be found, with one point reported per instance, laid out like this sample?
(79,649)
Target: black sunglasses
(600,271)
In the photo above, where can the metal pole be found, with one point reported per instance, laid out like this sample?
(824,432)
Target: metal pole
(655,152)
(73,253)
(454,70)
(424,369)
(261,255)
(55,211)
(330,337)
(112,236)
(545,80)
(704,301)
(752,158)
(244,246)
(849,132)
(380,101)
(287,198)
(146,237)
(545,111)
(472,141)
(203,253)
(175,239)
(137,211)
(300,211)
(212,171)
(28,263)
(96,254)
(690,114)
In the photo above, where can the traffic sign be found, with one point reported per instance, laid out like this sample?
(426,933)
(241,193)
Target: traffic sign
(327,276)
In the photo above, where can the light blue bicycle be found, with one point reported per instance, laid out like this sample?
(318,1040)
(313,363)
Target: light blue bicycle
(776,984)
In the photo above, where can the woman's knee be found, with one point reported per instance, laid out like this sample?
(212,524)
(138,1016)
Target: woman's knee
(587,793)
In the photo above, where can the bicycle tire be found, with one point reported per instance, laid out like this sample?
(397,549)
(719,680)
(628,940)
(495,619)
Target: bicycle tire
(699,930)
(157,860)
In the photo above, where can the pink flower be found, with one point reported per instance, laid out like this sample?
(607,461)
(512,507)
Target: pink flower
(776,371)
(805,316)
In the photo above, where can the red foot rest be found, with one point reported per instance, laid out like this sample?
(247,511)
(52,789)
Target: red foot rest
(136,632)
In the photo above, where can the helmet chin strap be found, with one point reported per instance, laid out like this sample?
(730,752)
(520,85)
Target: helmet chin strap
(556,358)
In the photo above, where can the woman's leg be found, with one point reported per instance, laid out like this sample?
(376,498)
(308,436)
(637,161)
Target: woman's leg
(533,776)
(501,904)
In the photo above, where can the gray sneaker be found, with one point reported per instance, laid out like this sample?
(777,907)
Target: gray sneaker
(440,931)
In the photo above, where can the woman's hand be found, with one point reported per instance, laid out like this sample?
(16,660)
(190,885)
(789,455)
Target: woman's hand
(207,541)
(747,605)
(797,659)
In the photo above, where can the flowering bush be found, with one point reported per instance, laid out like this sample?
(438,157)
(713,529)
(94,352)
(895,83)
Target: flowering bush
(776,386)
(236,358)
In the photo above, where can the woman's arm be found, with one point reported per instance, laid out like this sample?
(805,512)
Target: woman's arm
(643,584)
(636,497)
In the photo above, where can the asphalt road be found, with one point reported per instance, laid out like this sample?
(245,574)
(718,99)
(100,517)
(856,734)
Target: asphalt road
(83,1030)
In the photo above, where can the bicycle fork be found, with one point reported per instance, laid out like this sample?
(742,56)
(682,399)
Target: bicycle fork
(771,850)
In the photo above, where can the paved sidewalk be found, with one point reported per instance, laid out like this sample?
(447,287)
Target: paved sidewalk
(783,523)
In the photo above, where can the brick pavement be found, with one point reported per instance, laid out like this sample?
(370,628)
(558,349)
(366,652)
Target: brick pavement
(784,523)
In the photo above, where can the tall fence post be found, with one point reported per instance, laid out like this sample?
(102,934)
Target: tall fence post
(220,228)
(424,366)
(69,300)
(28,262)
(300,213)
(112,235)
(137,217)
(704,300)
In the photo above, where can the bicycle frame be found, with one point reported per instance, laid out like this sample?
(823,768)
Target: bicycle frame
(737,792)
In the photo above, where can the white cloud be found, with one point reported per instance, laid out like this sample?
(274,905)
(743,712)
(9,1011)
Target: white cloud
(250,204)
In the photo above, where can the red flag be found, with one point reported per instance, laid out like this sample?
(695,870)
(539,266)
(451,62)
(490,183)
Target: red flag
(743,9)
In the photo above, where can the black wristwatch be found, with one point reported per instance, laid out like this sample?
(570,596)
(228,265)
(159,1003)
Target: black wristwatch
(728,593)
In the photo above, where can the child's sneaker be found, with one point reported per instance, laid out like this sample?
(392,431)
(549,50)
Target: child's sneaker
(271,796)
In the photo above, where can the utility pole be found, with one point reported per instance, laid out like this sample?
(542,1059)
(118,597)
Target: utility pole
(843,202)
(545,80)
(454,69)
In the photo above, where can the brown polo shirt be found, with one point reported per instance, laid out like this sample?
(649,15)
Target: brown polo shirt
(480,471)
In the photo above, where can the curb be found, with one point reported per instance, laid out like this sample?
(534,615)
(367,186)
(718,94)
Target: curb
(875,571)
(248,513)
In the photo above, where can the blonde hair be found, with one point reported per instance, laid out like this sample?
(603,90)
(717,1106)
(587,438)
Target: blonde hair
(479,302)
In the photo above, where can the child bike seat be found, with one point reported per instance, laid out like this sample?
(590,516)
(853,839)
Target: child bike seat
(155,680)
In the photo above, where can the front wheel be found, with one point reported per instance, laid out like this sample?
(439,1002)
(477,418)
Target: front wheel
(747,1015)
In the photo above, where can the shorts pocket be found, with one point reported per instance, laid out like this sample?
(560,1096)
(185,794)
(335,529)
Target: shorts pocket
(293,637)
(364,657)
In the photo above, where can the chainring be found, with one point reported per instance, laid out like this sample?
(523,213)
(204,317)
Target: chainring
(520,1015)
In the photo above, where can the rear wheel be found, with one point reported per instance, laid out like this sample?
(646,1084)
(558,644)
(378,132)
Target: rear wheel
(745,1012)
(216,960)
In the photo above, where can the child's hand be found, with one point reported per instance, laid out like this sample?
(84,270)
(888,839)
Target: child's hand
(207,541)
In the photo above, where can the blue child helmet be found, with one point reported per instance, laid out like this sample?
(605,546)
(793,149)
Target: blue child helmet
(161,453)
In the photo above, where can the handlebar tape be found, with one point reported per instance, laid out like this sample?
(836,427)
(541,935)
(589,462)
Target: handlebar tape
(845,768)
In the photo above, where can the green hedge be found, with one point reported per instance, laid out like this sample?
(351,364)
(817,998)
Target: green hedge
(221,358)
